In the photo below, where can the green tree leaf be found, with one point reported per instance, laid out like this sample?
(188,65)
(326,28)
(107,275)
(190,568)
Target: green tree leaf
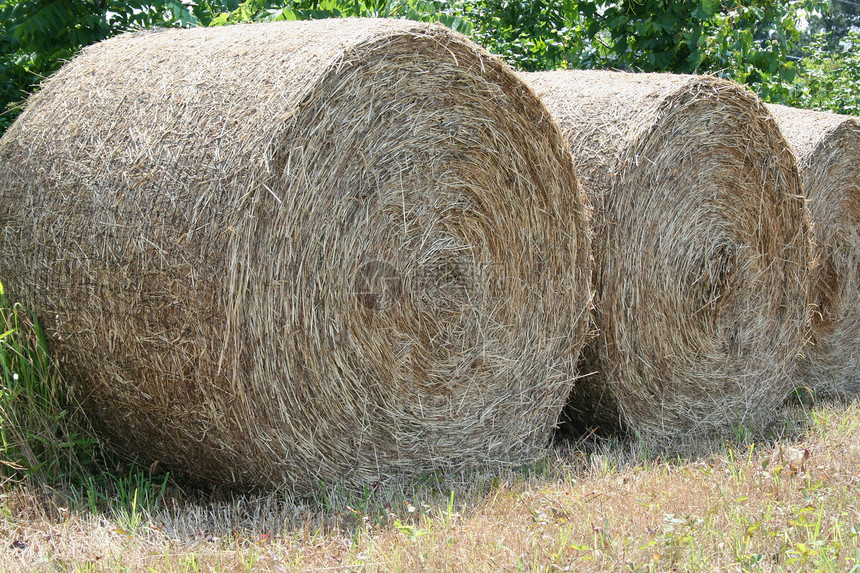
(710,8)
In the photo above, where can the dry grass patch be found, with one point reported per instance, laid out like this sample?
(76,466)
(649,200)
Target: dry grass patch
(791,504)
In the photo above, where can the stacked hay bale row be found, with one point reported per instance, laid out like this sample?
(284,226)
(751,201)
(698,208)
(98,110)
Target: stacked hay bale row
(701,250)
(315,251)
(349,249)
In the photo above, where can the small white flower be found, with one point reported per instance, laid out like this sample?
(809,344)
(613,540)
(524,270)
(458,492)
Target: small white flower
(14,376)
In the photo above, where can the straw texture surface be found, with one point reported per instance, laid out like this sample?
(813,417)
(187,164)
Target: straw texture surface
(292,253)
(702,250)
(827,146)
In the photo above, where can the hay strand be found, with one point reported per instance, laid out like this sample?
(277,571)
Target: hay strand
(292,253)
(701,250)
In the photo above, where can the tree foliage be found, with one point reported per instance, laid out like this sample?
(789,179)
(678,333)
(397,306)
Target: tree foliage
(37,36)
(649,35)
(761,43)
(221,12)
(530,34)
(831,78)
(834,24)
(752,42)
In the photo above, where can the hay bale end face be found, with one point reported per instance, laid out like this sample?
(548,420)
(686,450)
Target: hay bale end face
(285,254)
(701,250)
(827,146)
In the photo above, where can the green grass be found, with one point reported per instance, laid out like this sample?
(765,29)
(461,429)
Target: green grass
(41,440)
(783,500)
(46,442)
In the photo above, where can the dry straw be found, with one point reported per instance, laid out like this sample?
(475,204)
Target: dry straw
(702,249)
(302,252)
(828,153)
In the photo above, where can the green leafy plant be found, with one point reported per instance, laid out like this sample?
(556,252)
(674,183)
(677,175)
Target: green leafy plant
(221,12)
(529,34)
(830,80)
(651,35)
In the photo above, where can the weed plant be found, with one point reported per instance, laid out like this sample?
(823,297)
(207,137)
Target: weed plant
(40,438)
(46,442)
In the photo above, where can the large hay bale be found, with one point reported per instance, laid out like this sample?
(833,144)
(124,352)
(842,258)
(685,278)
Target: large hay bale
(701,250)
(321,251)
(827,146)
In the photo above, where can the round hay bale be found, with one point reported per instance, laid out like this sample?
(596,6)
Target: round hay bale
(827,147)
(292,253)
(701,250)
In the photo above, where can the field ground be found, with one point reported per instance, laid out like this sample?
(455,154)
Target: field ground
(787,503)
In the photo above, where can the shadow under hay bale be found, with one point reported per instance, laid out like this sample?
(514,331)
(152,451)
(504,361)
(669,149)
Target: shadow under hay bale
(827,146)
(702,250)
(285,254)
